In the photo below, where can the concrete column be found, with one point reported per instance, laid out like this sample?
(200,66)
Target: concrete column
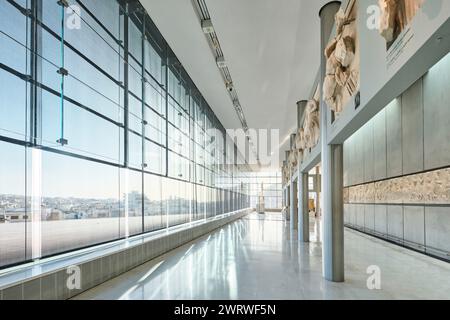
(294,205)
(292,140)
(303,210)
(285,196)
(288,203)
(284,186)
(303,215)
(318,191)
(288,198)
(332,170)
(301,107)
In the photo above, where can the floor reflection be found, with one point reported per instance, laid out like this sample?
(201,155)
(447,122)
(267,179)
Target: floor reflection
(258,257)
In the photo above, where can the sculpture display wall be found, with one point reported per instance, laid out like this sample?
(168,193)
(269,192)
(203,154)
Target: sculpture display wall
(300,143)
(342,54)
(292,161)
(285,174)
(425,188)
(312,124)
(395,16)
(308,136)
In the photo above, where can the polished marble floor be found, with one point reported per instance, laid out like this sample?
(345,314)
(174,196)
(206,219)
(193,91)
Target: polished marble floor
(259,258)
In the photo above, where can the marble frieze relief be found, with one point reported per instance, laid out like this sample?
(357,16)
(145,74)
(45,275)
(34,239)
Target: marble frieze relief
(424,188)
(395,16)
(342,78)
(308,135)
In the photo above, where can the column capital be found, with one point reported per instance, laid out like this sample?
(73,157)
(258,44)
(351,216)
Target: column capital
(327,5)
(301,107)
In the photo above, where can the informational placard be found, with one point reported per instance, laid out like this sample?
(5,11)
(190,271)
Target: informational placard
(391,33)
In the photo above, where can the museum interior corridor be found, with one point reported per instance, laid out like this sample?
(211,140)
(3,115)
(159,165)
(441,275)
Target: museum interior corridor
(224,150)
(261,259)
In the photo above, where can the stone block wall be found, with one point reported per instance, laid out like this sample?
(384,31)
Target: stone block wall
(397,168)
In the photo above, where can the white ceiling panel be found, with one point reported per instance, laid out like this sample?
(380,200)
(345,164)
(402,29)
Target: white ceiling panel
(271,48)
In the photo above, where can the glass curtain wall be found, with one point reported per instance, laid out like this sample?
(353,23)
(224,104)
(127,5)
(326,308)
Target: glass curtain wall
(267,183)
(103,134)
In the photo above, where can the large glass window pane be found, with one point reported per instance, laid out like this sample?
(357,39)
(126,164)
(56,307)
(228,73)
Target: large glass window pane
(135,151)
(12,204)
(93,41)
(185,205)
(51,15)
(178,117)
(135,39)
(154,209)
(200,174)
(155,96)
(107,12)
(134,114)
(178,141)
(179,215)
(178,203)
(178,167)
(13,103)
(131,202)
(92,88)
(166,195)
(173,83)
(80,203)
(226,207)
(155,158)
(135,79)
(219,197)
(210,210)
(199,154)
(13,54)
(199,213)
(156,127)
(172,195)
(51,61)
(13,37)
(97,138)
(154,63)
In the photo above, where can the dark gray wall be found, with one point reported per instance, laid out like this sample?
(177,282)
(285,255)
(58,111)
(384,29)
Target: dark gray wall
(411,135)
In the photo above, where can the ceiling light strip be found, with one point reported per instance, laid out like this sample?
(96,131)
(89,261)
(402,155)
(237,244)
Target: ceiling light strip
(208,28)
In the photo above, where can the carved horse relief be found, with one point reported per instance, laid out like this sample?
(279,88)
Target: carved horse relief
(342,68)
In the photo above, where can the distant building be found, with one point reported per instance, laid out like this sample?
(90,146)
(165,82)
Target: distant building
(13,215)
(55,215)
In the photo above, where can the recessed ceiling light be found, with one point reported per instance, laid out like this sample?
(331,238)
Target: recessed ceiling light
(207,26)
(221,62)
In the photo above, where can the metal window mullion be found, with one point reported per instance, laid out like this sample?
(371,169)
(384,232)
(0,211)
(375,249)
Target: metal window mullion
(36,75)
(62,73)
(190,134)
(126,88)
(126,85)
(167,106)
(144,112)
(143,107)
